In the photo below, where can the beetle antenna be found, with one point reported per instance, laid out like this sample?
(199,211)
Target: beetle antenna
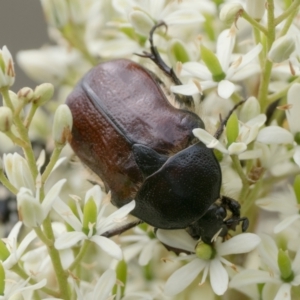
(223,122)
(157,59)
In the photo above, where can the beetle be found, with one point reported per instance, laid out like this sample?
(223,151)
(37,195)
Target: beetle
(126,131)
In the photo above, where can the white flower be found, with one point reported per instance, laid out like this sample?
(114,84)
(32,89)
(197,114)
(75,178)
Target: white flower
(284,202)
(247,133)
(292,115)
(93,232)
(31,211)
(16,251)
(233,70)
(7,72)
(272,275)
(143,15)
(52,64)
(218,275)
(101,290)
(17,171)
(20,290)
(142,246)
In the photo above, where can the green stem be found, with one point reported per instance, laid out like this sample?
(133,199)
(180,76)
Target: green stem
(254,23)
(54,157)
(7,100)
(239,170)
(7,184)
(27,149)
(61,275)
(266,74)
(42,237)
(257,38)
(30,115)
(288,22)
(290,11)
(19,271)
(80,255)
(15,139)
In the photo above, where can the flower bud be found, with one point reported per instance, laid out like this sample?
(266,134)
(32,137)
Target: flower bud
(43,93)
(7,71)
(6,118)
(256,8)
(89,215)
(29,209)
(232,128)
(25,94)
(56,12)
(141,22)
(205,251)
(285,266)
(229,11)
(281,49)
(62,124)
(212,63)
(249,110)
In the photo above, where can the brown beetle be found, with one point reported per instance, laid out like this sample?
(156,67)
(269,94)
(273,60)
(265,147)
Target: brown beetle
(143,148)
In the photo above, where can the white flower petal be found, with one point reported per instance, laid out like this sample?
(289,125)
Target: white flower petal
(258,120)
(269,252)
(251,154)
(275,135)
(247,277)
(208,139)
(58,163)
(116,217)
(185,89)
(104,285)
(225,44)
(96,193)
(225,89)
(242,243)
(284,292)
(52,195)
(296,263)
(147,253)
(198,70)
(218,277)
(66,213)
(179,239)
(184,16)
(69,239)
(107,245)
(293,113)
(183,277)
(286,223)
(296,155)
(237,148)
(247,58)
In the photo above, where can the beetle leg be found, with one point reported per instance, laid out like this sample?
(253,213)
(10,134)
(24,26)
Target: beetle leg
(121,229)
(157,59)
(223,122)
(235,219)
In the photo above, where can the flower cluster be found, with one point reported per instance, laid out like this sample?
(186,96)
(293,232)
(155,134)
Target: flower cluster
(238,63)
